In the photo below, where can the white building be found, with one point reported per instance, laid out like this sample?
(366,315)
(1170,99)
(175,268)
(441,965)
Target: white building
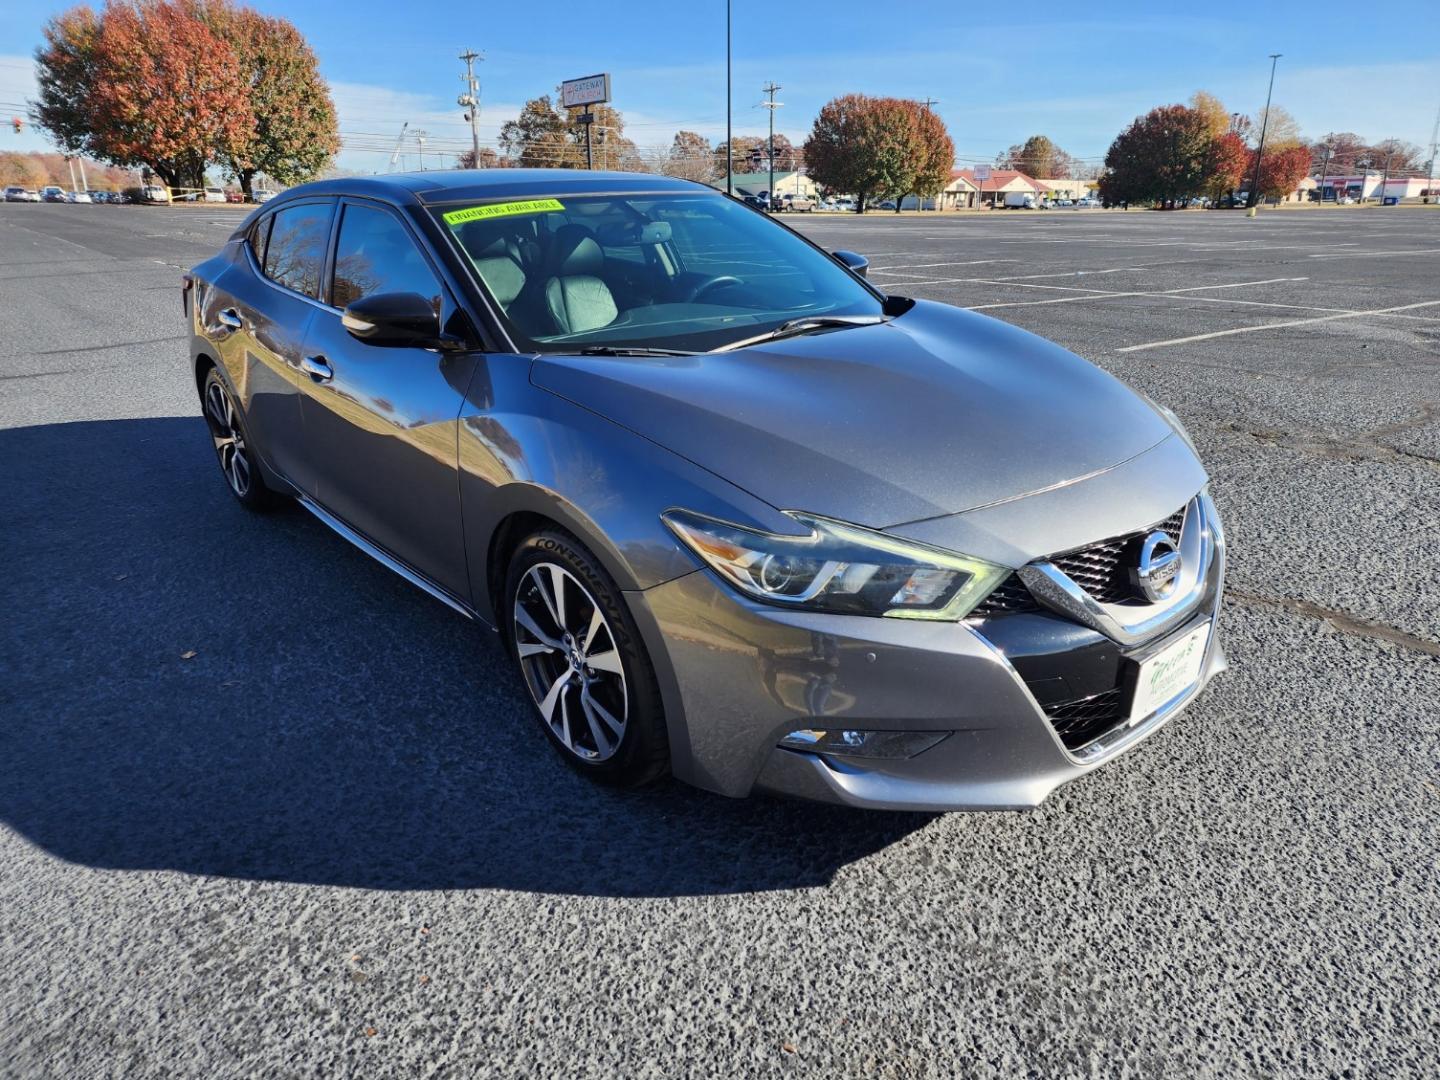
(1369,186)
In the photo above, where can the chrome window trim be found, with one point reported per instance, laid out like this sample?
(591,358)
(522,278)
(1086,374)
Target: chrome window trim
(1133,625)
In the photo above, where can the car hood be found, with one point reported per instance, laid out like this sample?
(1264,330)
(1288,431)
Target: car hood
(935,412)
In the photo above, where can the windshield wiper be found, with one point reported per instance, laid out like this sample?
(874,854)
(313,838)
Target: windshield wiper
(631,350)
(804,325)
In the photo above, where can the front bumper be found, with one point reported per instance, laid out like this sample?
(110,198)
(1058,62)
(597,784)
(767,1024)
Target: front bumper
(738,676)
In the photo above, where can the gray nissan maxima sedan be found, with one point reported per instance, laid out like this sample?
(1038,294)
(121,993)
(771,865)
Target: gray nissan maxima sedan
(736,514)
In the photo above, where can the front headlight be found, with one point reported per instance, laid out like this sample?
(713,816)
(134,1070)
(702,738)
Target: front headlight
(839,568)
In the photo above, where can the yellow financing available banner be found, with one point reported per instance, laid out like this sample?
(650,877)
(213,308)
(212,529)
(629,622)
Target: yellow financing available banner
(504,209)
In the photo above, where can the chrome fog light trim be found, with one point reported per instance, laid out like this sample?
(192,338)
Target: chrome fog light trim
(851,742)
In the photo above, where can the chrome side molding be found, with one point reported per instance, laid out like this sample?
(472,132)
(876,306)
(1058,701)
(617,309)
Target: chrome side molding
(383,557)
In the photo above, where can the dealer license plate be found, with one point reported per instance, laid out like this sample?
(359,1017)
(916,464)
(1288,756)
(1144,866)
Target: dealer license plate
(1170,672)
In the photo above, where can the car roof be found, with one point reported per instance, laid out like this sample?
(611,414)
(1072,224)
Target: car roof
(459,185)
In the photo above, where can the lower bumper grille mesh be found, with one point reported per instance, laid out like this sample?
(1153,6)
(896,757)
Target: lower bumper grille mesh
(1083,721)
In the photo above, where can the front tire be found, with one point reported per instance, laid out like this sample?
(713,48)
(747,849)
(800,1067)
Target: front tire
(582,660)
(232,445)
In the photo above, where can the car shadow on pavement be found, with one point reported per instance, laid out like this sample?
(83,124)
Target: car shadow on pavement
(186,686)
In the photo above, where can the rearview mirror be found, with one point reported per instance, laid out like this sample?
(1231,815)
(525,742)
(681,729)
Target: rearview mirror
(394,319)
(856,264)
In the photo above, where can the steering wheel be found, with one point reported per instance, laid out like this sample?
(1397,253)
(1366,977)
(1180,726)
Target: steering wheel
(709,283)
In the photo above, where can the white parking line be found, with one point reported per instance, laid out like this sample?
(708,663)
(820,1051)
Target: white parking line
(1374,254)
(1101,294)
(922,266)
(1275,326)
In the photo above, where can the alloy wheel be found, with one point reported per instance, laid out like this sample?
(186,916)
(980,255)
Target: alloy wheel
(571,662)
(229,439)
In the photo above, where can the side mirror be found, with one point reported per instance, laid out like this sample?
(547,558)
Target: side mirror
(406,319)
(856,264)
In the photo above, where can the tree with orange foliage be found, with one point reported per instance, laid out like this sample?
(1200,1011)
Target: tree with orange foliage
(176,85)
(869,147)
(1226,165)
(1282,170)
(294,133)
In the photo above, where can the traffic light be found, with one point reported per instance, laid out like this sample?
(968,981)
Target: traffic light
(17,124)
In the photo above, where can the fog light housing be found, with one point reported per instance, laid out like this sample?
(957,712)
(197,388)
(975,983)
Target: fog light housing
(853,742)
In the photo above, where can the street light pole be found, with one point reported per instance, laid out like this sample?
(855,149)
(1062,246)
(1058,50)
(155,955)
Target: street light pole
(1264,123)
(729,133)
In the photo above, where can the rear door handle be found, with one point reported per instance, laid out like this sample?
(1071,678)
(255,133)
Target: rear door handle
(230,319)
(317,368)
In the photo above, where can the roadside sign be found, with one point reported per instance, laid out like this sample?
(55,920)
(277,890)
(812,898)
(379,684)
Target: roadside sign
(982,173)
(587,90)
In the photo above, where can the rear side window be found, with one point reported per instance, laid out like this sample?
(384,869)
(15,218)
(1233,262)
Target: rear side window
(259,233)
(375,255)
(295,254)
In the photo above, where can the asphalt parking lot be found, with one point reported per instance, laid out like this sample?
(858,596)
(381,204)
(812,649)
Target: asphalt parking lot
(268,810)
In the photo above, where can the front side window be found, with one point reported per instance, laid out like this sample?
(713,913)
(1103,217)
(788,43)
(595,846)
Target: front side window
(375,255)
(674,271)
(295,254)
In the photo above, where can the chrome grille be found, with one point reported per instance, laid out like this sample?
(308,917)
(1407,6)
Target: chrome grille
(1009,597)
(1101,569)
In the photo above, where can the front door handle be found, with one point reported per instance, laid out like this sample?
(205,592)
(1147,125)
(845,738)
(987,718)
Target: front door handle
(230,319)
(317,368)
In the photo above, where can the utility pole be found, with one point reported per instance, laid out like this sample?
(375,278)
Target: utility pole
(471,101)
(1385,175)
(772,105)
(1434,139)
(1327,150)
(729,131)
(70,164)
(1260,150)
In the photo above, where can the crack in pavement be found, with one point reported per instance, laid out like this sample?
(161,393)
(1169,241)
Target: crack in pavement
(1362,448)
(1346,624)
(113,345)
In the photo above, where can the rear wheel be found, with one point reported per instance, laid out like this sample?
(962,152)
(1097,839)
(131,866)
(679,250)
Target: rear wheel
(582,660)
(232,447)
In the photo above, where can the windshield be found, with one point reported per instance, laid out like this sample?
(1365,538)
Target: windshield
(671,271)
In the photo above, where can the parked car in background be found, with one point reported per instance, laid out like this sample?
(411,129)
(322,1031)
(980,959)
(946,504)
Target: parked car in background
(234,195)
(801,204)
(214,194)
(1019,200)
(261,195)
(154,193)
(845,204)
(52,193)
(886,204)
(78,197)
(16,193)
(755,201)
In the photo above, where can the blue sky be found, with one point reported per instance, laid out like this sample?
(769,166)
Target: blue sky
(1000,72)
